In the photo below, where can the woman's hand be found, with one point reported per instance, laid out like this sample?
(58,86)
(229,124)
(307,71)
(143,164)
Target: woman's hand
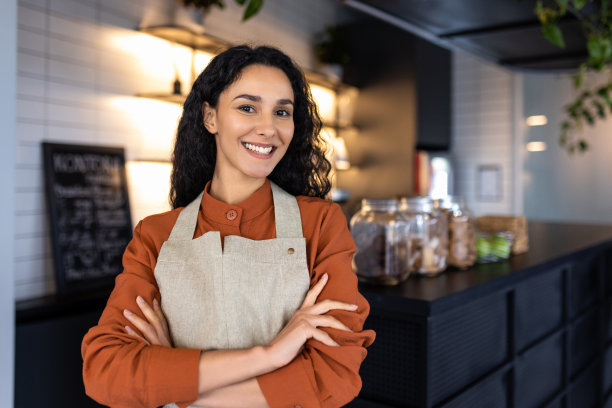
(154,328)
(305,324)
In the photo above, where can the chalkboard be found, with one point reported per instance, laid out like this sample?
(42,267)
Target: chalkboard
(89,213)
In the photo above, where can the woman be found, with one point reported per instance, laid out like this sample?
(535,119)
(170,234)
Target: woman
(252,268)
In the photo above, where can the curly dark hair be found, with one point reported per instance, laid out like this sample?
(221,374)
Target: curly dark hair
(303,170)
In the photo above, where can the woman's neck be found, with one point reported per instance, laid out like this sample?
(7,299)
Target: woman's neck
(233,191)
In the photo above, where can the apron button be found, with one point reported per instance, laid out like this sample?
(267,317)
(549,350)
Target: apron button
(290,250)
(231,215)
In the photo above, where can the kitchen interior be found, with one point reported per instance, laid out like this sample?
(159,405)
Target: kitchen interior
(424,99)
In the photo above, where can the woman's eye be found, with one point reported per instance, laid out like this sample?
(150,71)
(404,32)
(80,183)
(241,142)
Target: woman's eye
(247,108)
(283,112)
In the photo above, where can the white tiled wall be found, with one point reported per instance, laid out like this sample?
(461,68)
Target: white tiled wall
(77,73)
(483,130)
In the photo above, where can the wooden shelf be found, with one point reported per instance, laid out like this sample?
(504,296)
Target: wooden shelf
(185,36)
(170,98)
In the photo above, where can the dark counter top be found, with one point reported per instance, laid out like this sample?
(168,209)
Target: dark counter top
(549,244)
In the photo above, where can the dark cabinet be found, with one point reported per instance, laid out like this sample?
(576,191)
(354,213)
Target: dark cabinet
(532,332)
(382,55)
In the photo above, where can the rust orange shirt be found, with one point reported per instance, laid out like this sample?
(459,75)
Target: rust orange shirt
(121,371)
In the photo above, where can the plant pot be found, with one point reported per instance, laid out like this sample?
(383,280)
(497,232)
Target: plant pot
(175,15)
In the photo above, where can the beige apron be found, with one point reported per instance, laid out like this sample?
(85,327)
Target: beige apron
(236,297)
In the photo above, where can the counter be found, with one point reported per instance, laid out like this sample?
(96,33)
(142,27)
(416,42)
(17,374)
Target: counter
(533,331)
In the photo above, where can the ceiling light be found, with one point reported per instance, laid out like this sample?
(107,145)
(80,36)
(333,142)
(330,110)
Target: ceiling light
(537,120)
(536,146)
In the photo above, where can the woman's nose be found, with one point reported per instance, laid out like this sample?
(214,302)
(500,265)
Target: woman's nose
(265,126)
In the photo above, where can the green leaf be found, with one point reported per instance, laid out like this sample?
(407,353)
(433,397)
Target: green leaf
(589,118)
(583,145)
(241,2)
(553,33)
(571,149)
(579,4)
(579,77)
(252,8)
(562,5)
(601,111)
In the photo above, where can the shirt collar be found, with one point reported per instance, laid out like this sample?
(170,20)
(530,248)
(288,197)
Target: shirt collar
(255,205)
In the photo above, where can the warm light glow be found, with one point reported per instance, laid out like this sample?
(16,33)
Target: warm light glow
(202,59)
(536,146)
(149,186)
(155,120)
(536,120)
(335,149)
(325,99)
(347,99)
(160,61)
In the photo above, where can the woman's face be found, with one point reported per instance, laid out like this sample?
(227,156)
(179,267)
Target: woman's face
(252,123)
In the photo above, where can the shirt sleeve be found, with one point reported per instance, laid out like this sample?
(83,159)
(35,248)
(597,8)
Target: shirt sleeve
(324,376)
(121,371)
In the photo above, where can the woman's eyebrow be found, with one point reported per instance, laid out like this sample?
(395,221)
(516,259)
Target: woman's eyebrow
(255,98)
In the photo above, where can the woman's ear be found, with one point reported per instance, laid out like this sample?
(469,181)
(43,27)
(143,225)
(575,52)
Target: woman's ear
(209,115)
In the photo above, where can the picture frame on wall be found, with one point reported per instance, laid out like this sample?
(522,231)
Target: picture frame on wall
(89,214)
(489,183)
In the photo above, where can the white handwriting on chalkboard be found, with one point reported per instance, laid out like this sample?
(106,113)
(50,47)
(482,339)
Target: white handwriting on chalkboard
(85,163)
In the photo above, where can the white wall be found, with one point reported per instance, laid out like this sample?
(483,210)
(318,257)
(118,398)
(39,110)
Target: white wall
(8,65)
(558,186)
(79,64)
(483,126)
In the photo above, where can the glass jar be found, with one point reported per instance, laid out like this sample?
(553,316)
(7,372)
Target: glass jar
(428,235)
(461,232)
(381,233)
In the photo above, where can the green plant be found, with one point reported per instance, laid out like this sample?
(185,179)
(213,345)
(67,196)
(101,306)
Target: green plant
(252,6)
(595,17)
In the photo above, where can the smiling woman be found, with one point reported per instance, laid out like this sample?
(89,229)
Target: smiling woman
(244,294)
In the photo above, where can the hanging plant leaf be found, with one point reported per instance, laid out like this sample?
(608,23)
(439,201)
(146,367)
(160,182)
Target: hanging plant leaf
(252,8)
(583,145)
(589,118)
(579,4)
(562,5)
(601,111)
(553,33)
(579,77)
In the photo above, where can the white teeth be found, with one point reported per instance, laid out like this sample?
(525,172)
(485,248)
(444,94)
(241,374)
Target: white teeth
(262,150)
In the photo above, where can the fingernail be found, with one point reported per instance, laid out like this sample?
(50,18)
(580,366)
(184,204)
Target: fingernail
(324,276)
(354,306)
(139,299)
(155,302)
(127,312)
(127,328)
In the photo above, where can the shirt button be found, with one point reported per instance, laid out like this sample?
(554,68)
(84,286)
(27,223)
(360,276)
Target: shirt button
(231,215)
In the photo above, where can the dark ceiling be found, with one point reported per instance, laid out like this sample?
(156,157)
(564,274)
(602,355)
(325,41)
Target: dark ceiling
(503,31)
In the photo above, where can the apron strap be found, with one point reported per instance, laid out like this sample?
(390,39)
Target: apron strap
(187,220)
(286,214)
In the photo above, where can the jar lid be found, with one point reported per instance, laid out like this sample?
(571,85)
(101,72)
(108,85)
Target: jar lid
(417,204)
(451,202)
(374,204)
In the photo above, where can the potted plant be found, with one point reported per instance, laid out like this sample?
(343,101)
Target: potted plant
(595,103)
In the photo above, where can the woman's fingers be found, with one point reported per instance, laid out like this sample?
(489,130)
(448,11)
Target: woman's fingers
(132,333)
(324,338)
(315,291)
(326,305)
(160,315)
(328,321)
(145,328)
(151,315)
